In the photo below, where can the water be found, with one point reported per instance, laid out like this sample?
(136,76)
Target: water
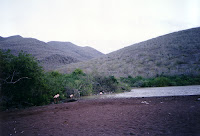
(154,92)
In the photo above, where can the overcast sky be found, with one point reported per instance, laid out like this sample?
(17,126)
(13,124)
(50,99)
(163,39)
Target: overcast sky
(106,25)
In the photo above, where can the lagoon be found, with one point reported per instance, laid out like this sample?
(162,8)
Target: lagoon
(153,92)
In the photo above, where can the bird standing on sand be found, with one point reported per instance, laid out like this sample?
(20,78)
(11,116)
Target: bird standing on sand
(56,98)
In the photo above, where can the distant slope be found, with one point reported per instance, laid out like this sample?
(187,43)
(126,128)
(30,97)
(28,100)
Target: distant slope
(51,55)
(81,53)
(172,54)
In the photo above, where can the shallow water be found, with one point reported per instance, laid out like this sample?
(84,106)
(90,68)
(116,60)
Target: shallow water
(153,92)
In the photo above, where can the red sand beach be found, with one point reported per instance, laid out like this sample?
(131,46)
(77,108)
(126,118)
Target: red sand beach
(154,116)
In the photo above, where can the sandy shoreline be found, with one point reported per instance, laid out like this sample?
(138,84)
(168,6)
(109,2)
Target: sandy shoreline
(154,116)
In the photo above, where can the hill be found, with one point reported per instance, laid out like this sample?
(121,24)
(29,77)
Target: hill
(52,54)
(81,53)
(172,54)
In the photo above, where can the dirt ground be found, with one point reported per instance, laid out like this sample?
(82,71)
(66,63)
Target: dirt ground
(159,116)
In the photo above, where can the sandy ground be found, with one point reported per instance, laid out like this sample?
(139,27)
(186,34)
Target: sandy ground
(158,116)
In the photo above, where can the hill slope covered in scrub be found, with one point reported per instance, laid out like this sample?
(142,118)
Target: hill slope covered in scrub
(172,54)
(51,54)
(81,53)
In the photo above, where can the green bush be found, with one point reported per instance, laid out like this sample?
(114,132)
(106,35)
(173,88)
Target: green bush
(105,84)
(133,82)
(20,80)
(161,81)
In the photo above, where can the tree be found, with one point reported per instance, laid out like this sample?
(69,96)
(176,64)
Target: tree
(20,79)
(77,72)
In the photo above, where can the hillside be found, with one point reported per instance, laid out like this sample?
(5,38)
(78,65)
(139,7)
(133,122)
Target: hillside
(52,54)
(81,53)
(172,54)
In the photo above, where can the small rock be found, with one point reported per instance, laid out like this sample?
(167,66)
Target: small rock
(198,99)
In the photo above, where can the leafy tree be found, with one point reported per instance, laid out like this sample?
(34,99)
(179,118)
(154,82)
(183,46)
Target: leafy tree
(20,79)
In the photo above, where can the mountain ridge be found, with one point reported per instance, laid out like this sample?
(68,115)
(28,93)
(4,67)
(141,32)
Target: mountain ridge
(49,55)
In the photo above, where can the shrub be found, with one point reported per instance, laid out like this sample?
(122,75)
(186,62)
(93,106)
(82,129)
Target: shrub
(20,80)
(161,81)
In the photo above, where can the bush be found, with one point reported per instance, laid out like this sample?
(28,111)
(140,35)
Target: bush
(161,81)
(20,80)
(105,84)
(78,72)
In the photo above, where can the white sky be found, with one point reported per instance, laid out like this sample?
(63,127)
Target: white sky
(106,25)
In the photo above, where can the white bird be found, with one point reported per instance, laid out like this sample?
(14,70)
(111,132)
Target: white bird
(71,96)
(56,96)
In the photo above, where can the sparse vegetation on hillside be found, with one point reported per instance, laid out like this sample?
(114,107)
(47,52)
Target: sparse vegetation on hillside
(172,54)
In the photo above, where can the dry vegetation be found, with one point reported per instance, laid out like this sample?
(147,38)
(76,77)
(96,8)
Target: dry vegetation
(172,54)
